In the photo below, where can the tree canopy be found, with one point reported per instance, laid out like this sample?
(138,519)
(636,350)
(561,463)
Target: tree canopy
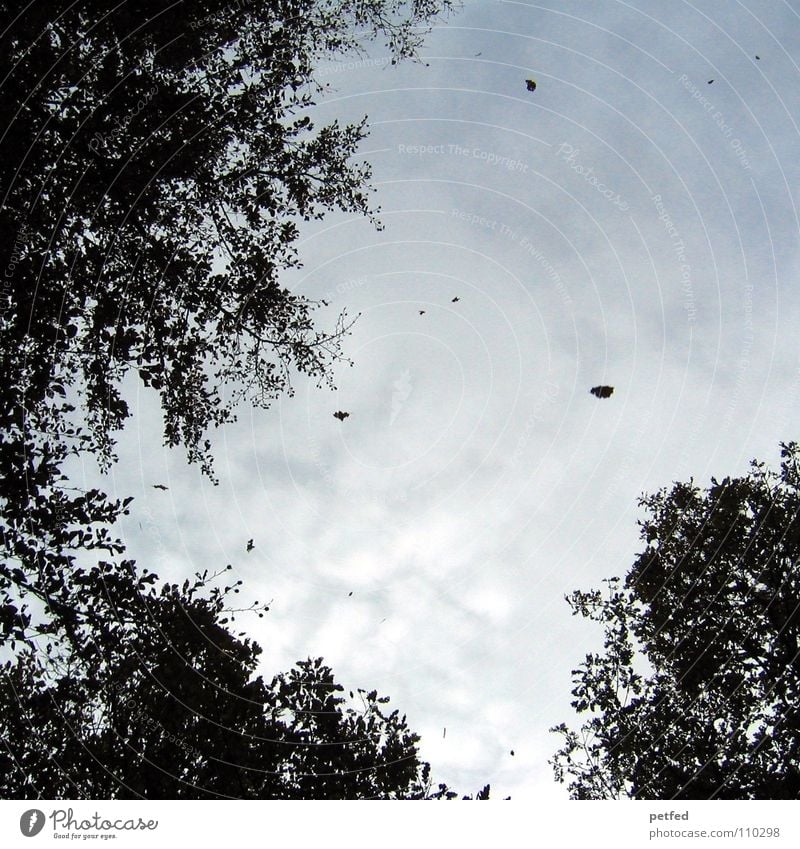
(156,165)
(154,697)
(696,694)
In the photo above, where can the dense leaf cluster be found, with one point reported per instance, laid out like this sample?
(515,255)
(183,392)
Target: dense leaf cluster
(153,697)
(156,164)
(154,168)
(697,693)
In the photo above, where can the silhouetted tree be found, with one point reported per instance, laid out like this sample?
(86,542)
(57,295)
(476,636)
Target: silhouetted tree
(155,164)
(697,692)
(154,697)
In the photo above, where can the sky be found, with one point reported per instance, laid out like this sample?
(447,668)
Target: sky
(626,223)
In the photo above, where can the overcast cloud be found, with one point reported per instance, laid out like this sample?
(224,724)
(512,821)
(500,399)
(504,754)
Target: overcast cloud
(626,223)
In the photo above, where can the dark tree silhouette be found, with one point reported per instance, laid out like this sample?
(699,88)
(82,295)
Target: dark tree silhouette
(156,162)
(697,692)
(154,697)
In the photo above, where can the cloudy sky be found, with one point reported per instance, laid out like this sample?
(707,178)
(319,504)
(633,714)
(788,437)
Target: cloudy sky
(627,223)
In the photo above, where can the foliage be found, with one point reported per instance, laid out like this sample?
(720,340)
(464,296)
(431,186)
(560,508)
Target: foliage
(157,163)
(697,692)
(154,697)
(156,167)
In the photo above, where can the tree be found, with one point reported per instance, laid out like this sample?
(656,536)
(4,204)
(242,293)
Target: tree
(155,697)
(157,163)
(697,692)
